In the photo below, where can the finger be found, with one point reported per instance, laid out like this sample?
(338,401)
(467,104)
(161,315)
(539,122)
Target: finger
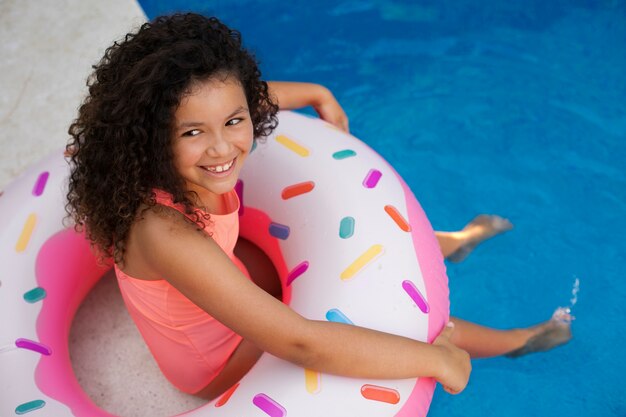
(448,330)
(339,124)
(450,390)
(345,125)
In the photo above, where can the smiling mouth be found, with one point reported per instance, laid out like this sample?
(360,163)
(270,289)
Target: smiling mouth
(219,169)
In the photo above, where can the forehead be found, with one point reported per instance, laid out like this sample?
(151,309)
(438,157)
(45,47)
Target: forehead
(212,96)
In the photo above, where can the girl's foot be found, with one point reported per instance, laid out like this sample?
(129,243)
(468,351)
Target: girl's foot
(545,336)
(481,228)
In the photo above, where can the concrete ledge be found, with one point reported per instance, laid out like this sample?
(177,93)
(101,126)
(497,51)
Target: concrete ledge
(47,51)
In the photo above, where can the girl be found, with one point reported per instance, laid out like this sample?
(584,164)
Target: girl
(156,150)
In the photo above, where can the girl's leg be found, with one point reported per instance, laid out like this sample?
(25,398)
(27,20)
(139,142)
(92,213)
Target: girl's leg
(239,363)
(483,342)
(455,246)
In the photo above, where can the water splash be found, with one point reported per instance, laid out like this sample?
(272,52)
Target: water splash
(575,289)
(564,314)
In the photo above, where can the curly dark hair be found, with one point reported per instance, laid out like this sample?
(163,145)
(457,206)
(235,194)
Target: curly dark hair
(120,146)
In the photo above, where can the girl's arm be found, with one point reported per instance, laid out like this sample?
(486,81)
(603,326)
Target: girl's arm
(293,95)
(194,264)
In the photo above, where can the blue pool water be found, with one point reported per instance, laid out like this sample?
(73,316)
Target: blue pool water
(509,107)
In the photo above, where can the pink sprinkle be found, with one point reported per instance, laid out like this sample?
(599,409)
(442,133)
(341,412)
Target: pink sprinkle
(415,294)
(371,179)
(40,185)
(269,406)
(297,271)
(34,346)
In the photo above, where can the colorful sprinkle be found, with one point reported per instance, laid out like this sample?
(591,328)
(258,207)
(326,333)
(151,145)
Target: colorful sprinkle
(29,406)
(279,231)
(372,177)
(27,231)
(226,396)
(40,185)
(292,145)
(346,227)
(312,381)
(416,296)
(297,189)
(337,316)
(382,394)
(346,153)
(398,218)
(254,145)
(269,406)
(239,191)
(297,271)
(34,295)
(368,256)
(34,346)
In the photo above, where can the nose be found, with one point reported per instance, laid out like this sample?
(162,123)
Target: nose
(219,146)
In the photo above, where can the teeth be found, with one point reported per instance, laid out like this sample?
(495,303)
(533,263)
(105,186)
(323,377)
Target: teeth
(220,168)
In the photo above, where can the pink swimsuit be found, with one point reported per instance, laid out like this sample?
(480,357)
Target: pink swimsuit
(190,346)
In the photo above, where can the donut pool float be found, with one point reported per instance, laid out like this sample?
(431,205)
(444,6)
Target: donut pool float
(348,238)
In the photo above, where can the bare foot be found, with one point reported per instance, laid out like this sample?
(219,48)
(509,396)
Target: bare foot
(481,228)
(545,336)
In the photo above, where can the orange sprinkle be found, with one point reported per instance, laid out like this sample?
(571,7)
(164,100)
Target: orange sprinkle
(297,189)
(382,394)
(397,217)
(226,396)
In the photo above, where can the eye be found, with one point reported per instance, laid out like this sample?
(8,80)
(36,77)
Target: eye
(193,132)
(235,121)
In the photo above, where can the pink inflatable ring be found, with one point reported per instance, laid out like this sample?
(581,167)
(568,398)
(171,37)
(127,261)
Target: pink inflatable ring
(350,241)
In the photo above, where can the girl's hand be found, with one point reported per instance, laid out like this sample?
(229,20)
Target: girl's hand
(293,95)
(330,110)
(456,368)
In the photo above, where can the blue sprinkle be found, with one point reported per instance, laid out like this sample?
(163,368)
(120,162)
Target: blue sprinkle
(279,231)
(337,316)
(29,406)
(346,153)
(34,295)
(346,227)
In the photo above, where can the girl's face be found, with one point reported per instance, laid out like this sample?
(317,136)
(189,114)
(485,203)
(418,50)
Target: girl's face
(213,135)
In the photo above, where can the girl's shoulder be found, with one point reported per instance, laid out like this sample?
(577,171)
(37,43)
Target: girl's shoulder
(160,217)
(159,233)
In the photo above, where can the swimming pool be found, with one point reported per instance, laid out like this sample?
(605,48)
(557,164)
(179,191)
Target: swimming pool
(516,108)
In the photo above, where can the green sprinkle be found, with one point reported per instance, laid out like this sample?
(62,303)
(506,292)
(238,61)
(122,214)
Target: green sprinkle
(29,406)
(34,295)
(346,153)
(346,228)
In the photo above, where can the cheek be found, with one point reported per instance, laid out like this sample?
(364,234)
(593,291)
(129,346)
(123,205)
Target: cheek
(185,154)
(244,140)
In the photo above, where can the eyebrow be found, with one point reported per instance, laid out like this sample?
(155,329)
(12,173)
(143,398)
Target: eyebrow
(193,124)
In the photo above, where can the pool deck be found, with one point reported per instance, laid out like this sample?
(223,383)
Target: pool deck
(47,51)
